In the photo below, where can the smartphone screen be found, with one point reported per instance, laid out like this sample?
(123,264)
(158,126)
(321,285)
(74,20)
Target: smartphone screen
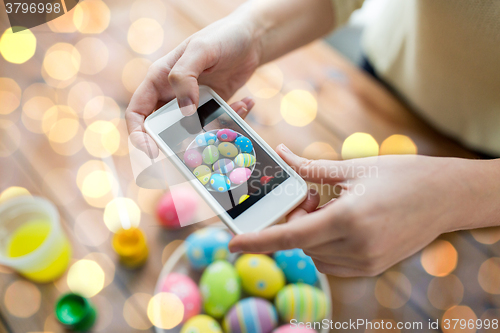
(228,162)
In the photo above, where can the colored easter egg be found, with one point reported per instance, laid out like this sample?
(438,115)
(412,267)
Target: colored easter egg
(177,208)
(243,198)
(192,158)
(240,175)
(203,173)
(297,266)
(205,139)
(220,183)
(227,149)
(251,315)
(244,144)
(260,276)
(220,288)
(302,302)
(207,245)
(224,165)
(210,154)
(184,287)
(201,324)
(293,329)
(226,135)
(244,160)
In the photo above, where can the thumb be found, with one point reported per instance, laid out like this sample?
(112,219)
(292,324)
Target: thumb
(317,171)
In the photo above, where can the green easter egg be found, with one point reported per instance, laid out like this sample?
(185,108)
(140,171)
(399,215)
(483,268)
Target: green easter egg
(210,154)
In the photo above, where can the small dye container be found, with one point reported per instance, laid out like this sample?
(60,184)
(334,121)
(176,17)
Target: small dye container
(75,312)
(32,241)
(130,245)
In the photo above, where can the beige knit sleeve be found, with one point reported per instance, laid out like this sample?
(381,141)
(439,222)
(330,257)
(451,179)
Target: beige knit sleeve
(343,10)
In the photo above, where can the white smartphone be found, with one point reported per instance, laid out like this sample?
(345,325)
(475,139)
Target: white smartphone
(240,177)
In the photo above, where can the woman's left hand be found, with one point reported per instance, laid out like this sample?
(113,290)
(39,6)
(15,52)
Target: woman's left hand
(389,208)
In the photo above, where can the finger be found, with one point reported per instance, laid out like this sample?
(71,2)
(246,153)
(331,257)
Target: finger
(306,231)
(319,171)
(184,77)
(309,205)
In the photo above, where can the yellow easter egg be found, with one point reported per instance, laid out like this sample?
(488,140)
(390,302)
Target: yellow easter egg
(260,275)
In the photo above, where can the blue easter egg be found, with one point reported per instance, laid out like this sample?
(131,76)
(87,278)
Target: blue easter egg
(220,183)
(297,266)
(205,139)
(207,245)
(244,144)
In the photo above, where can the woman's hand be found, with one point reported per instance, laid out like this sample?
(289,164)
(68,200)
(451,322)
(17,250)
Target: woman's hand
(389,208)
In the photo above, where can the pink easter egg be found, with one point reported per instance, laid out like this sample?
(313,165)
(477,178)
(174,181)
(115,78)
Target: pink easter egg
(226,134)
(240,175)
(192,158)
(186,289)
(177,208)
(293,329)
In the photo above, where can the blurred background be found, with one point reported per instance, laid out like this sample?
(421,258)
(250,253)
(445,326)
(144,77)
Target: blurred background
(63,137)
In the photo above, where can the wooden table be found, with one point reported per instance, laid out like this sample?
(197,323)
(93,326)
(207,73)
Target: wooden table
(348,102)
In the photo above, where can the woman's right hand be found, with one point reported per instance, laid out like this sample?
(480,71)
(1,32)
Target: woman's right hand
(223,56)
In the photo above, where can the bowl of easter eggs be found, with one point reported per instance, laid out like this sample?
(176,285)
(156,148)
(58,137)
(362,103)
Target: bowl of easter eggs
(221,159)
(222,292)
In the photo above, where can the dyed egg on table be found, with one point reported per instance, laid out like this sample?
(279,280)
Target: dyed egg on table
(205,139)
(293,329)
(183,287)
(224,165)
(260,276)
(210,154)
(227,149)
(297,266)
(226,135)
(240,175)
(244,144)
(203,173)
(244,160)
(201,324)
(302,302)
(220,288)
(251,315)
(192,158)
(177,208)
(207,245)
(220,183)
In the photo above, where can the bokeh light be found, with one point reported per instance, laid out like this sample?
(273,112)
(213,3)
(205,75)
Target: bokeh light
(148,199)
(135,311)
(81,94)
(121,213)
(60,123)
(320,150)
(87,168)
(393,290)
(101,108)
(91,16)
(169,249)
(10,137)
(17,47)
(165,310)
(94,55)
(62,180)
(489,276)
(62,61)
(22,299)
(134,73)
(154,9)
(445,292)
(70,147)
(63,23)
(266,82)
(398,144)
(439,258)
(13,192)
(359,145)
(33,111)
(90,229)
(106,265)
(101,138)
(462,313)
(299,108)
(10,95)
(97,184)
(486,235)
(145,36)
(85,277)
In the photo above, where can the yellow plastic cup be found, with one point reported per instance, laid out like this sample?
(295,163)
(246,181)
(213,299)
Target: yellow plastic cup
(131,247)
(32,241)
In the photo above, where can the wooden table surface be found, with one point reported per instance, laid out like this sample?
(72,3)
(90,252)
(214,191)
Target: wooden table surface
(348,101)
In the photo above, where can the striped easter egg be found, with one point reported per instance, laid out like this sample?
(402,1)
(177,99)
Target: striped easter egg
(252,314)
(244,160)
(302,302)
(224,165)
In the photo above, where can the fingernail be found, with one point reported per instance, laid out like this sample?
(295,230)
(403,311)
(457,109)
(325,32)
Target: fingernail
(243,110)
(187,106)
(285,149)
